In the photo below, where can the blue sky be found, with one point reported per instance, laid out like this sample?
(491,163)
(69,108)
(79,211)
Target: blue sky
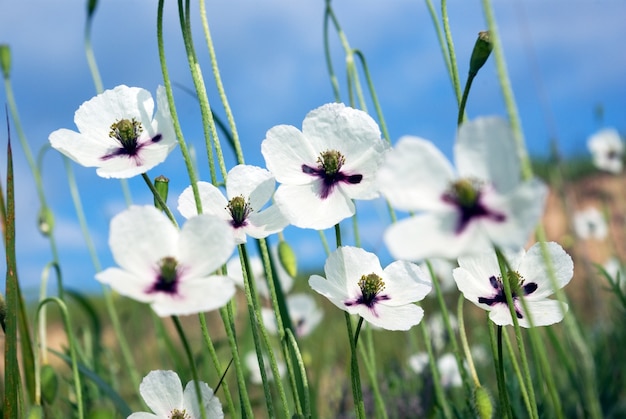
(564,58)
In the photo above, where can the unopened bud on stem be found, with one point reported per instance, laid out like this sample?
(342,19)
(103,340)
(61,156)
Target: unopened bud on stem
(161,184)
(482,49)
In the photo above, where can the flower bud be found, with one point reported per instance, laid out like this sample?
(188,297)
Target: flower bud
(287,258)
(5,60)
(482,49)
(482,403)
(161,184)
(35,412)
(49,384)
(91,7)
(45,221)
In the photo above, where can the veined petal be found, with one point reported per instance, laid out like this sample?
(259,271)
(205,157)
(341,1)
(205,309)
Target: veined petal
(139,237)
(348,264)
(302,206)
(195,295)
(251,182)
(414,175)
(162,391)
(533,268)
(269,221)
(126,284)
(367,165)
(83,150)
(392,318)
(205,244)
(212,200)
(472,277)
(212,405)
(485,150)
(407,284)
(285,150)
(336,293)
(543,313)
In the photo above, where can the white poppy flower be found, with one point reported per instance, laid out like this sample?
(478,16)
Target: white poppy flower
(258,271)
(479,279)
(607,150)
(169,268)
(323,168)
(163,393)
(356,283)
(304,313)
(418,362)
(590,224)
(485,202)
(446,365)
(118,133)
(248,190)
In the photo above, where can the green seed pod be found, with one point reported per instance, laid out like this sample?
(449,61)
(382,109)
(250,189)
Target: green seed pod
(161,184)
(5,60)
(287,258)
(45,221)
(482,50)
(91,7)
(482,403)
(49,384)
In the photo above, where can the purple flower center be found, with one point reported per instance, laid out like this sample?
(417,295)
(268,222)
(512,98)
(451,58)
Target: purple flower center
(127,132)
(372,287)
(239,210)
(518,287)
(465,195)
(328,169)
(167,277)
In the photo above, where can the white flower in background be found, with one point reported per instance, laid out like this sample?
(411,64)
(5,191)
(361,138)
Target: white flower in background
(304,313)
(252,363)
(118,134)
(248,190)
(163,393)
(323,168)
(590,224)
(356,283)
(438,333)
(480,281)
(169,268)
(607,150)
(484,203)
(446,365)
(256,266)
(443,272)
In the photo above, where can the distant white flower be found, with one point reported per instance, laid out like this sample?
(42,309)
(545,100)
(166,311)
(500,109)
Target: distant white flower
(327,165)
(446,365)
(256,267)
(163,393)
(356,283)
(438,333)
(248,190)
(170,269)
(480,281)
(590,224)
(484,203)
(252,363)
(305,315)
(117,132)
(607,150)
(418,362)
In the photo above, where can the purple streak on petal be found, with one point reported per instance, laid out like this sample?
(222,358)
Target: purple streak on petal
(329,181)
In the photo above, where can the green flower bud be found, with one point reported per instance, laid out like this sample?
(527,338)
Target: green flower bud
(49,384)
(35,412)
(45,221)
(482,49)
(482,403)
(91,7)
(287,258)
(5,60)
(161,184)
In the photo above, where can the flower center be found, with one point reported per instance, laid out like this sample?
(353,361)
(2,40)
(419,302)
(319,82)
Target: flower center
(167,278)
(328,169)
(371,285)
(465,194)
(126,132)
(239,210)
(518,287)
(179,414)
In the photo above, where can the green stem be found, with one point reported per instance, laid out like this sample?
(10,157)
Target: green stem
(368,356)
(440,38)
(159,199)
(453,66)
(468,86)
(502,390)
(439,393)
(192,364)
(464,343)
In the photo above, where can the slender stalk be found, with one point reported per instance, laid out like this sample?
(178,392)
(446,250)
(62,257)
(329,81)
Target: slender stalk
(463,336)
(159,199)
(439,393)
(505,408)
(453,66)
(192,364)
(440,38)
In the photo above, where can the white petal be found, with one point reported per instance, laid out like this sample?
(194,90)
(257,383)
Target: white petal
(127,284)
(533,268)
(543,313)
(303,207)
(211,198)
(405,282)
(162,391)
(83,150)
(472,279)
(269,221)
(285,150)
(304,313)
(124,166)
(205,244)
(414,175)
(269,320)
(195,295)
(162,122)
(393,318)
(251,182)
(366,164)
(346,265)
(336,293)
(141,236)
(144,415)
(485,149)
(212,405)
